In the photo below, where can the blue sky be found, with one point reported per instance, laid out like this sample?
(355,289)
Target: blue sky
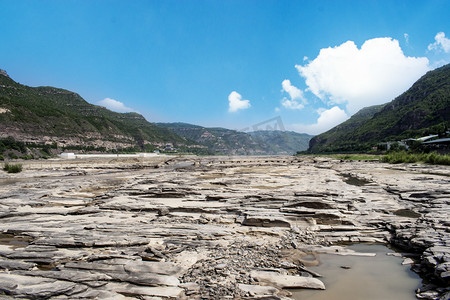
(227,63)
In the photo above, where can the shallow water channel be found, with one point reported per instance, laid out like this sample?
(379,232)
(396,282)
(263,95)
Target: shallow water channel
(363,278)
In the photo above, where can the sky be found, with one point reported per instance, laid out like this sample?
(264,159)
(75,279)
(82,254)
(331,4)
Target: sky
(237,64)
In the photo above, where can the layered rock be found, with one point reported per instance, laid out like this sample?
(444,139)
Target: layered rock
(210,227)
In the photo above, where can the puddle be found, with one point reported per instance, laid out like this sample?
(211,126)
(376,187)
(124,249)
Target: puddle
(407,213)
(363,278)
(10,181)
(14,241)
(352,180)
(46,267)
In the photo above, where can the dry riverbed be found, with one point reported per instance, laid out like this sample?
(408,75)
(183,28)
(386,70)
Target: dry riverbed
(212,227)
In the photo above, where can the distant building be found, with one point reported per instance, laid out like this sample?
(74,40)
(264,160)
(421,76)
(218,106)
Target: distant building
(67,155)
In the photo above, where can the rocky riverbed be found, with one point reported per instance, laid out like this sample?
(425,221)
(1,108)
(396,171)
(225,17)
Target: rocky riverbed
(212,227)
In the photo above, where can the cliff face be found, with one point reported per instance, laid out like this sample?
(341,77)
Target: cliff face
(422,109)
(44,114)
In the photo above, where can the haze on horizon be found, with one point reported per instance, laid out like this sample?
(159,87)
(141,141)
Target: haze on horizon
(227,63)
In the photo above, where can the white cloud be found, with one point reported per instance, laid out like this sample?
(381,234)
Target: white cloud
(406,36)
(115,105)
(294,92)
(328,118)
(291,104)
(295,96)
(374,74)
(441,42)
(236,103)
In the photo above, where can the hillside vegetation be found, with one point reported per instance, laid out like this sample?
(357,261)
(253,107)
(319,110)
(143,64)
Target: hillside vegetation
(423,109)
(43,114)
(41,121)
(226,141)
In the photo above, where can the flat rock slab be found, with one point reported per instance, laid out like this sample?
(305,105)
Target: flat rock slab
(34,287)
(162,268)
(258,290)
(68,275)
(15,265)
(288,281)
(149,279)
(220,219)
(136,291)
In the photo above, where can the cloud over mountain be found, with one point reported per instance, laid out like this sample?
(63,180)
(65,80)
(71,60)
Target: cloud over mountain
(328,118)
(115,105)
(296,99)
(374,74)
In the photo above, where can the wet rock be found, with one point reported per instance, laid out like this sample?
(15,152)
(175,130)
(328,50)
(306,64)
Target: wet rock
(407,261)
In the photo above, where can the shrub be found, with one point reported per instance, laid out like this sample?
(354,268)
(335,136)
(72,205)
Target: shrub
(433,158)
(12,155)
(27,157)
(12,168)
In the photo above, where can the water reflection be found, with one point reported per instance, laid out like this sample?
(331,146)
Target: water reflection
(364,278)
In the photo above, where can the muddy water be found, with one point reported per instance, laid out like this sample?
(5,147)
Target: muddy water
(367,278)
(14,241)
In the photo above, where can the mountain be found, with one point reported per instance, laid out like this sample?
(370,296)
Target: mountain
(282,142)
(232,142)
(422,109)
(48,114)
(34,117)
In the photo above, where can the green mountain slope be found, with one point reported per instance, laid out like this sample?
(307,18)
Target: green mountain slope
(217,140)
(43,114)
(422,109)
(232,142)
(48,115)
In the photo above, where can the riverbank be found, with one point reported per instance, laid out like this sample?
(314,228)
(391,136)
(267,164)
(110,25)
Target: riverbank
(211,227)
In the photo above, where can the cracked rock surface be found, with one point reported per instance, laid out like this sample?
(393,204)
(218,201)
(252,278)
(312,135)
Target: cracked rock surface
(211,227)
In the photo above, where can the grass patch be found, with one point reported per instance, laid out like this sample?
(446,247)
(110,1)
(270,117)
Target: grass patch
(12,168)
(405,157)
(357,156)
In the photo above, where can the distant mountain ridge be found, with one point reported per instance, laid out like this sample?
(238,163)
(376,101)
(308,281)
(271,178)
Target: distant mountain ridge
(424,108)
(226,141)
(49,115)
